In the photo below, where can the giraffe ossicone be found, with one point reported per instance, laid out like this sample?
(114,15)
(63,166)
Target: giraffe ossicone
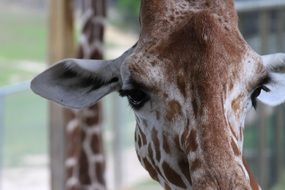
(191,79)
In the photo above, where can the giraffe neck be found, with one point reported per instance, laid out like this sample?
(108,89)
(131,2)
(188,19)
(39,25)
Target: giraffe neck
(85,162)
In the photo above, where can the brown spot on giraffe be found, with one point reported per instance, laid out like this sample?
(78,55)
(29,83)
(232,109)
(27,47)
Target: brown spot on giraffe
(84,177)
(136,136)
(165,144)
(196,164)
(156,144)
(90,121)
(184,167)
(100,169)
(152,161)
(172,176)
(95,140)
(150,151)
(177,143)
(74,137)
(151,170)
(236,103)
(231,85)
(173,110)
(143,137)
(139,141)
(192,145)
(207,4)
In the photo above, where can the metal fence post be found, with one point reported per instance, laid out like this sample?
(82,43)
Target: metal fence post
(117,141)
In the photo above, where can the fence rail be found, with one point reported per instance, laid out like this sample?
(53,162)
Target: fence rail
(265,5)
(4,92)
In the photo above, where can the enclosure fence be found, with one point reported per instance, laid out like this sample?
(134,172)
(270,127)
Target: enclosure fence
(5,92)
(266,20)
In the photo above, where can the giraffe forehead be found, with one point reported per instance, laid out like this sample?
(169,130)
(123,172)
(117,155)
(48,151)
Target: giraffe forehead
(192,50)
(161,17)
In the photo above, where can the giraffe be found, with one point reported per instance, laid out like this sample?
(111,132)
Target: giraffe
(190,79)
(85,159)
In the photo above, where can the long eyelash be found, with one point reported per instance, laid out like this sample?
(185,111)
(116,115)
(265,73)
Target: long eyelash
(254,96)
(128,93)
(123,93)
(261,85)
(254,101)
(265,88)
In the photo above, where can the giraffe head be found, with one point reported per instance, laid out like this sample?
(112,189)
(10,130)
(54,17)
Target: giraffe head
(190,79)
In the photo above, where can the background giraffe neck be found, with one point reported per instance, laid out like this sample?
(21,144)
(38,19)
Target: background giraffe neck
(85,160)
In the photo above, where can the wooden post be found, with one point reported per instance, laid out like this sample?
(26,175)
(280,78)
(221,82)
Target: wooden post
(60,45)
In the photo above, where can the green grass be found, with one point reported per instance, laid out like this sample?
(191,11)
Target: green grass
(25,127)
(22,35)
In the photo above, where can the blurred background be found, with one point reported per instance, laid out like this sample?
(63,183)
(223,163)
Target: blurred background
(26,43)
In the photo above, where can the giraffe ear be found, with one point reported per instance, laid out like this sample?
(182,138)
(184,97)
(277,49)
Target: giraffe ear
(77,83)
(80,83)
(275,65)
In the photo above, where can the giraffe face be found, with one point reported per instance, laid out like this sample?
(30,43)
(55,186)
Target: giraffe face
(196,103)
(190,80)
(190,104)
(177,115)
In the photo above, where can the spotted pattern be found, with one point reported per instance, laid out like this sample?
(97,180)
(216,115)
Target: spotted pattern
(194,64)
(85,162)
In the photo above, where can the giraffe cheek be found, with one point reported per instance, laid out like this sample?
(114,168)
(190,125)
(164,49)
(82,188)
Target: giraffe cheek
(189,141)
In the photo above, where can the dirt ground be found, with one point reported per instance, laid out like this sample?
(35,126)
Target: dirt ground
(37,176)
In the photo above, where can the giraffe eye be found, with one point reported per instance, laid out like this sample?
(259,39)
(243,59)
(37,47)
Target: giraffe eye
(136,97)
(261,86)
(256,93)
